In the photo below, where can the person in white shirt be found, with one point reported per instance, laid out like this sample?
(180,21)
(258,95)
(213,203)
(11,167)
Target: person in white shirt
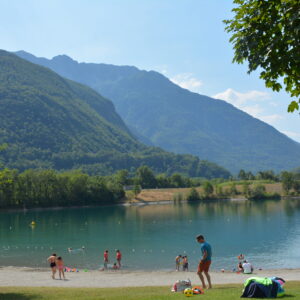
(248,268)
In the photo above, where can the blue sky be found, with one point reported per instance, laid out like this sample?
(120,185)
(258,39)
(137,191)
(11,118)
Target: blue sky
(183,39)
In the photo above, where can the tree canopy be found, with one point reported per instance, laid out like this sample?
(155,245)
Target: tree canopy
(267,35)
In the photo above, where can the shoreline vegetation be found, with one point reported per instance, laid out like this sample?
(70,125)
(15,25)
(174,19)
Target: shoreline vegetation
(39,189)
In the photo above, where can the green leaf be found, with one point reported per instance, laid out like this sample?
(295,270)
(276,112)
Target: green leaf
(293,106)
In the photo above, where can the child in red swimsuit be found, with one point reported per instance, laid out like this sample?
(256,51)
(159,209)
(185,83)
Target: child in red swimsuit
(118,257)
(105,259)
(60,267)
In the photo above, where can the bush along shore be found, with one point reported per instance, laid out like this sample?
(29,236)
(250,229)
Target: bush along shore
(49,188)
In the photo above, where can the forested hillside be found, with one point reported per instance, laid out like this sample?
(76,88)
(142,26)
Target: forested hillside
(177,120)
(51,122)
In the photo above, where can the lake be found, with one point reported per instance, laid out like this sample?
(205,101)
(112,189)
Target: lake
(149,237)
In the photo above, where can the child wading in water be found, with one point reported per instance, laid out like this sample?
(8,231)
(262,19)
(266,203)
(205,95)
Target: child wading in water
(185,266)
(119,257)
(177,261)
(105,259)
(60,266)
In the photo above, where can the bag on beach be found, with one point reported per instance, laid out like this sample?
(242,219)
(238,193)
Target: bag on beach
(263,287)
(181,285)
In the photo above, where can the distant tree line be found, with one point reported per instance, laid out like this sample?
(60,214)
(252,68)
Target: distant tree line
(261,175)
(290,180)
(245,184)
(48,188)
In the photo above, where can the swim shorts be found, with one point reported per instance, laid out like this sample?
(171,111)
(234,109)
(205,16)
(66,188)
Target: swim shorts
(204,266)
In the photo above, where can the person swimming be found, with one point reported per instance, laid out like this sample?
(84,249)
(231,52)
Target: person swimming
(78,250)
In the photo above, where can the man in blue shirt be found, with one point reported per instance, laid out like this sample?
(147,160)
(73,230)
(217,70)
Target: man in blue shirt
(205,262)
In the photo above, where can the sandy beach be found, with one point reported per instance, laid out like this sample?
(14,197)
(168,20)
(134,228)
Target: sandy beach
(13,276)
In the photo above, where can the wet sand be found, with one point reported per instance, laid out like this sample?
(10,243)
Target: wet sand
(14,276)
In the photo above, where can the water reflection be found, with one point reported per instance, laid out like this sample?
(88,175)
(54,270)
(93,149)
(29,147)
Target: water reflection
(150,236)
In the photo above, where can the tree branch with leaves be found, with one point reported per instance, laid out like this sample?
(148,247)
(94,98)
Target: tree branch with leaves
(266,33)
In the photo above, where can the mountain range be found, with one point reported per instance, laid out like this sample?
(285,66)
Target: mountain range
(159,112)
(52,122)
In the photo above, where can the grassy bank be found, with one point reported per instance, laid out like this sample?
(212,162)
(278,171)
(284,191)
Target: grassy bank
(168,194)
(220,292)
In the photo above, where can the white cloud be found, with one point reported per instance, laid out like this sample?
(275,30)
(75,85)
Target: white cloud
(187,81)
(251,102)
(254,110)
(292,135)
(271,119)
(240,99)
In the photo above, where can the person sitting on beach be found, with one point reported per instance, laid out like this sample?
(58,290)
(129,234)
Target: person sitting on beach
(105,259)
(177,261)
(247,267)
(185,265)
(240,267)
(60,266)
(118,257)
(52,260)
(115,267)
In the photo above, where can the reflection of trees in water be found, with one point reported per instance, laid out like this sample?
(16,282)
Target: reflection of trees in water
(77,222)
(211,209)
(291,206)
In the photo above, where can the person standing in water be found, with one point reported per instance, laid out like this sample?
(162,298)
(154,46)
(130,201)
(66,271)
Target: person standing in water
(205,261)
(105,259)
(177,262)
(185,266)
(119,257)
(52,260)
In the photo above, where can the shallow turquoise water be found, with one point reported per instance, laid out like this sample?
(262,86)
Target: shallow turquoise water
(150,237)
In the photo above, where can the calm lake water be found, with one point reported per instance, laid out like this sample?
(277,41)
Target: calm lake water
(150,237)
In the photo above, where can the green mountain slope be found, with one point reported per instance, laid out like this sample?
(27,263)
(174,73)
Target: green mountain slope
(52,122)
(180,121)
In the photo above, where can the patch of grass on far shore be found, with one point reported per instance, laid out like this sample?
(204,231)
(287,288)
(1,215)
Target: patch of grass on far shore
(219,292)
